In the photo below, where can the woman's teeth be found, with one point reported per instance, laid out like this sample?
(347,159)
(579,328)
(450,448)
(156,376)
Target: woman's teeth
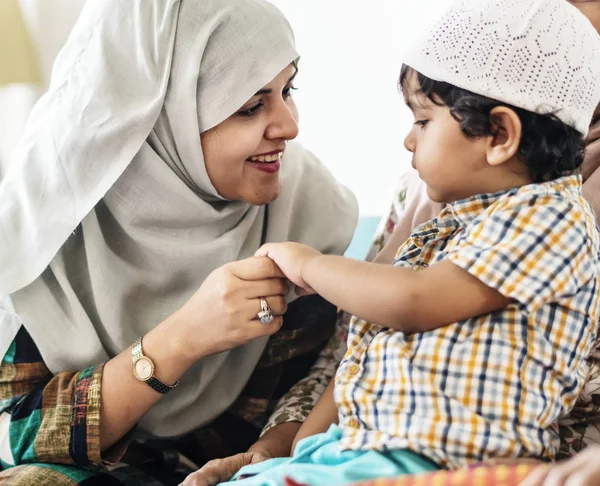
(266,159)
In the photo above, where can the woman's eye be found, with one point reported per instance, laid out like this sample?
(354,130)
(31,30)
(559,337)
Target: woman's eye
(287,91)
(252,110)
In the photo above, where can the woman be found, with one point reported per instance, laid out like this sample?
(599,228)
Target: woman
(155,165)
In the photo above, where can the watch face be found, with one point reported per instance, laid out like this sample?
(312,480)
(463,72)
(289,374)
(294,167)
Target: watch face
(143,368)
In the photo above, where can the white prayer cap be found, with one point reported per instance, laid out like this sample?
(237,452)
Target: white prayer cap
(539,55)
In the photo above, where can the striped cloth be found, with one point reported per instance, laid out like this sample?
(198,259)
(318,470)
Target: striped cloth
(481,476)
(492,385)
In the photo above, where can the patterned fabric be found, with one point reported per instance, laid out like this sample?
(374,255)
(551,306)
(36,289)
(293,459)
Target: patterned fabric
(49,425)
(493,385)
(481,476)
(295,405)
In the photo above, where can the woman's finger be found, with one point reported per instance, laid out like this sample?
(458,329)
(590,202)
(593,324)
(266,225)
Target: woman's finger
(218,470)
(258,329)
(276,303)
(268,287)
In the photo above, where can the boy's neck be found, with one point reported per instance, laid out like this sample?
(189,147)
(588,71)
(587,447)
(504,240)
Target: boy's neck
(509,175)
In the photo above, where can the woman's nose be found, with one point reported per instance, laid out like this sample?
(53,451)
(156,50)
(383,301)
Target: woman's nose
(284,122)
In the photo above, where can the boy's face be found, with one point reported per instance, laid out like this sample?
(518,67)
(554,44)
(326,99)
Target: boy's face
(452,166)
(589,8)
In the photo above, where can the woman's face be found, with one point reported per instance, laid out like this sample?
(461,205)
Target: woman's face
(243,153)
(589,8)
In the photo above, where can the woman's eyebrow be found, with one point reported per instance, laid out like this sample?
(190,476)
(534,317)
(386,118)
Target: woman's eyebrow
(269,90)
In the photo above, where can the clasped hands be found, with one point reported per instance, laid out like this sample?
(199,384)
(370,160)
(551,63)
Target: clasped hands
(292,259)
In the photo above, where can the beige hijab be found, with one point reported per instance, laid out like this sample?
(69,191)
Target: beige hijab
(108,220)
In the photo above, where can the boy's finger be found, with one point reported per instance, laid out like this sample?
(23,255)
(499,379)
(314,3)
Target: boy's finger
(255,268)
(263,251)
(301,291)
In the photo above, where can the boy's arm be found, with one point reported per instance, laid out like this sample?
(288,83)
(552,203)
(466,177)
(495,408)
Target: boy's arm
(395,297)
(324,414)
(401,298)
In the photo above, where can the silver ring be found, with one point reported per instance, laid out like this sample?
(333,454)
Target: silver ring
(265,316)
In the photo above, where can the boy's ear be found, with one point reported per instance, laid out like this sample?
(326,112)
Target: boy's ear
(505,142)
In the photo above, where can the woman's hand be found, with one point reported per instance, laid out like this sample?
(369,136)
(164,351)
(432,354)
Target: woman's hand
(581,470)
(222,314)
(291,258)
(276,442)
(220,470)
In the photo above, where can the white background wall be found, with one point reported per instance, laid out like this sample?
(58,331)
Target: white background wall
(352,115)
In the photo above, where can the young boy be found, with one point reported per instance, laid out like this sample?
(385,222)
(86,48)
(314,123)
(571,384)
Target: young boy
(474,342)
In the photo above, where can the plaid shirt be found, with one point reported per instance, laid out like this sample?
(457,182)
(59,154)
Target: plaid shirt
(492,385)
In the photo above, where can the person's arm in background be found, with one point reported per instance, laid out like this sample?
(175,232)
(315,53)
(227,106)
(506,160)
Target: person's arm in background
(322,416)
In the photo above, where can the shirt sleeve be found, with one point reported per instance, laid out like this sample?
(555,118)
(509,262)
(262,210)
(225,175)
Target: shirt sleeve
(534,249)
(46,418)
(297,403)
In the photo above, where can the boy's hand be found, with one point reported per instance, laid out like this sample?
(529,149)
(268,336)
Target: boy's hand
(291,258)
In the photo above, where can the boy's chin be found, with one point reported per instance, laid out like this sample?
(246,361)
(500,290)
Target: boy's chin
(442,197)
(438,197)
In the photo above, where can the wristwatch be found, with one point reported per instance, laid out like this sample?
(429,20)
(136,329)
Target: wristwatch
(143,369)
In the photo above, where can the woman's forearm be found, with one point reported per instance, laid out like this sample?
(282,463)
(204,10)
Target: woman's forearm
(125,399)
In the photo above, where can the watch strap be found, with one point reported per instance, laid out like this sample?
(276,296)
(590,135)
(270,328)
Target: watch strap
(153,382)
(159,386)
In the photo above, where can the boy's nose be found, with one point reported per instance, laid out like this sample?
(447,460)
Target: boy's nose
(409,142)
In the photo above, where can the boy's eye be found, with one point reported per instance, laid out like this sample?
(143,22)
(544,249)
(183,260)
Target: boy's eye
(252,110)
(421,123)
(287,91)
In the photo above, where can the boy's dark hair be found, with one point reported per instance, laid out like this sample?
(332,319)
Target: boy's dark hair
(549,148)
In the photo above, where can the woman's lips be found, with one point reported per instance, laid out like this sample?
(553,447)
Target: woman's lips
(268,167)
